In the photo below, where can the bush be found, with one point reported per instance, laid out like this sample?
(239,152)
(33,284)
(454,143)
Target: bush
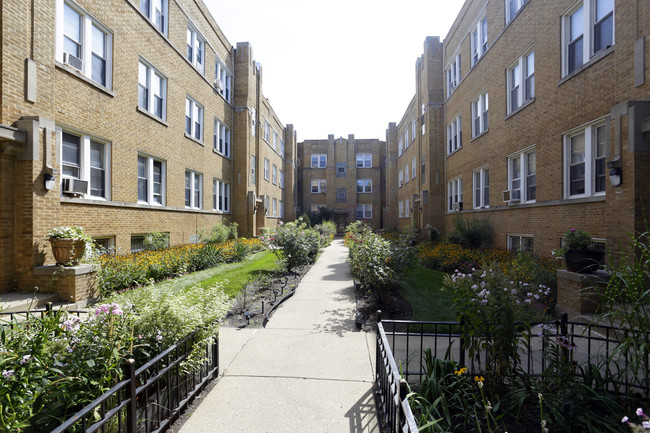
(220,233)
(294,243)
(327,231)
(156,241)
(471,233)
(433,234)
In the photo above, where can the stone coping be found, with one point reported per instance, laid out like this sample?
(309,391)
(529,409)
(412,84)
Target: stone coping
(65,270)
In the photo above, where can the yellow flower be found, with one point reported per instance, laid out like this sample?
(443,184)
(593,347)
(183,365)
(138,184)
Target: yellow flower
(461,371)
(479,378)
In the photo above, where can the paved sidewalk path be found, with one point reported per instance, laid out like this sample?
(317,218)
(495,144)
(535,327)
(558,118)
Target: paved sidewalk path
(309,370)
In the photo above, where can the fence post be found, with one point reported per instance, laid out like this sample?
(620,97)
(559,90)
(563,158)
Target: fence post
(131,407)
(564,318)
(462,341)
(403,392)
(215,355)
(48,308)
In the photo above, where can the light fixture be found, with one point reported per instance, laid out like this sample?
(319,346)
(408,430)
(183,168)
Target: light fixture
(615,176)
(50,180)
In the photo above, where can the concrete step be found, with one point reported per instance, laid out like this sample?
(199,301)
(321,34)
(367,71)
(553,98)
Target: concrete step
(23,301)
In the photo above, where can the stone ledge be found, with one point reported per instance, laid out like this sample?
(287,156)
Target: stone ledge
(596,277)
(65,270)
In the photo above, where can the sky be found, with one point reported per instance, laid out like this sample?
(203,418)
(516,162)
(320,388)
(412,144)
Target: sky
(337,66)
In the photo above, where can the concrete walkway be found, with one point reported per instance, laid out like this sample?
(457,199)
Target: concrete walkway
(309,370)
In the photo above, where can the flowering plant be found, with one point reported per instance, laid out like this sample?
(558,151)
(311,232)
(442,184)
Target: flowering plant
(645,424)
(67,232)
(574,239)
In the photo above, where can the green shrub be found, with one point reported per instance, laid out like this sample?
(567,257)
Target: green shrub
(471,233)
(220,233)
(156,241)
(327,231)
(294,243)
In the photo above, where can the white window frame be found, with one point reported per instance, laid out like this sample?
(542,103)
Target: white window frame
(481,188)
(400,206)
(454,192)
(221,138)
(281,179)
(267,168)
(267,131)
(253,170)
(152,95)
(195,44)
(407,208)
(220,196)
(452,74)
(478,40)
(400,147)
(195,189)
(521,241)
(407,178)
(593,158)
(275,207)
(520,78)
(223,81)
(281,151)
(589,22)
(414,168)
(401,178)
(253,113)
(519,164)
(364,211)
(480,116)
(157,12)
(275,140)
(85,166)
(281,210)
(364,160)
(364,186)
(454,135)
(318,160)
(318,186)
(193,115)
(152,198)
(84,43)
(274,174)
(513,7)
(413,130)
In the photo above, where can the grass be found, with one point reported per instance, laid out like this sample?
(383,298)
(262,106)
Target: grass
(238,275)
(422,289)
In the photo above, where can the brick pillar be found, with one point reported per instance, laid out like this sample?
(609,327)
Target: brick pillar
(579,294)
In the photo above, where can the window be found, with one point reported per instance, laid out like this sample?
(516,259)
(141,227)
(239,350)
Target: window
(413,130)
(584,161)
(318,186)
(512,8)
(220,196)
(318,160)
(86,158)
(413,168)
(223,82)
(520,243)
(407,208)
(253,169)
(482,188)
(479,40)
(401,178)
(522,71)
(152,90)
(275,141)
(274,174)
(195,49)
(83,43)
(267,130)
(453,75)
(406,138)
(281,180)
(400,147)
(364,185)
(587,29)
(480,115)
(406,173)
(275,207)
(316,207)
(455,194)
(137,243)
(105,245)
(193,119)
(340,195)
(364,160)
(156,11)
(364,211)
(252,112)
(221,139)
(340,169)
(193,189)
(522,176)
(423,170)
(281,147)
(151,180)
(281,209)
(400,206)
(454,136)
(266,169)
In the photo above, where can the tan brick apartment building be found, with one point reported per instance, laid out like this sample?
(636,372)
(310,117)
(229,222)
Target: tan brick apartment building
(345,176)
(542,102)
(127,117)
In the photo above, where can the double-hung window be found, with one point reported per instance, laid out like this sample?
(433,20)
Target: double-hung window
(414,168)
(521,81)
(340,195)
(522,176)
(406,173)
(481,188)
(318,160)
(221,139)
(281,147)
(401,178)
(407,143)
(587,28)
(364,185)
(407,208)
(152,90)
(193,119)
(512,8)
(195,49)
(400,147)
(584,161)
(400,207)
(274,174)
(364,211)
(281,210)
(413,129)
(520,243)
(480,115)
(454,136)
(151,180)
(193,189)
(157,12)
(83,43)
(364,160)
(479,40)
(281,179)
(253,169)
(454,194)
(275,207)
(453,75)
(318,186)
(86,158)
(223,80)
(267,168)
(275,140)
(267,130)
(220,196)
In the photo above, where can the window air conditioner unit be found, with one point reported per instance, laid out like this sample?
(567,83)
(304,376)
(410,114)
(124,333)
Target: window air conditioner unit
(73,61)
(218,84)
(512,196)
(458,206)
(74,186)
(506,196)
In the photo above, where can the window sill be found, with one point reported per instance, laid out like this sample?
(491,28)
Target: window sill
(79,75)
(595,59)
(482,133)
(454,151)
(151,116)
(520,108)
(221,154)
(189,137)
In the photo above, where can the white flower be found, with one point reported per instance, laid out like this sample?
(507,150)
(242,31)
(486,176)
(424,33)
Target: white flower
(625,419)
(26,359)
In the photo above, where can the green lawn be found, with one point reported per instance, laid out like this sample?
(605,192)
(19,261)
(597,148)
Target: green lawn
(422,290)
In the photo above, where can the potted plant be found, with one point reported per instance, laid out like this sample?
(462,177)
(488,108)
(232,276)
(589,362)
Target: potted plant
(579,253)
(68,244)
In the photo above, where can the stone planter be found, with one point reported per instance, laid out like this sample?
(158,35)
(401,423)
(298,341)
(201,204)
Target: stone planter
(583,261)
(67,252)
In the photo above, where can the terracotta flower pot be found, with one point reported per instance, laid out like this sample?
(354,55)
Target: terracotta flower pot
(583,261)
(67,252)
